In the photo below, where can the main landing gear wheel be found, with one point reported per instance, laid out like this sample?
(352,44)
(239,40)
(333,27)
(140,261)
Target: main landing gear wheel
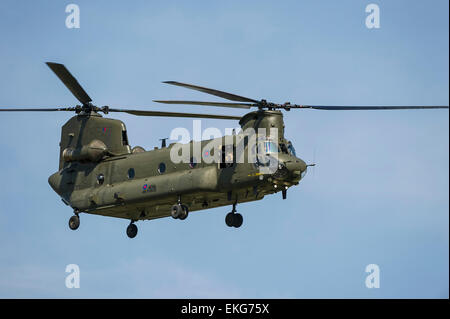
(179,211)
(74,222)
(234,220)
(184,212)
(132,230)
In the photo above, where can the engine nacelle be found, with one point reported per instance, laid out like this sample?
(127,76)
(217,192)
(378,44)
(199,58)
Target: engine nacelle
(93,152)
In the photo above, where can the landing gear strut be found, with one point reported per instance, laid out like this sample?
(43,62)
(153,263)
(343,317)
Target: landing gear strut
(132,230)
(234,219)
(74,221)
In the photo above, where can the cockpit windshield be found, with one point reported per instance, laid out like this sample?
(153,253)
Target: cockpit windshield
(270,147)
(291,149)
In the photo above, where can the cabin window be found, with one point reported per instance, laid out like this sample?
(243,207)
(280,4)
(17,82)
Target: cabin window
(131,173)
(100,179)
(192,162)
(228,156)
(161,168)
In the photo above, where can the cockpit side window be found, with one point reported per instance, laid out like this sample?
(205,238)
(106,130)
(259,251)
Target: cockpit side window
(291,149)
(270,147)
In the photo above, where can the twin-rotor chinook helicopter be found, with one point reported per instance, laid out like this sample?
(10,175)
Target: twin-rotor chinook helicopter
(99,173)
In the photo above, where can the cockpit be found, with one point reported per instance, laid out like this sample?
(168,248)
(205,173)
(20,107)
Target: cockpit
(270,146)
(280,158)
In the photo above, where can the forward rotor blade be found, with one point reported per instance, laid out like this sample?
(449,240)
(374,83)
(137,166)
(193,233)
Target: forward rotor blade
(233,105)
(37,109)
(69,81)
(365,108)
(225,95)
(176,114)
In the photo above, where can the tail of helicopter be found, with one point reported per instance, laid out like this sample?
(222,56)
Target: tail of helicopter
(85,140)
(90,137)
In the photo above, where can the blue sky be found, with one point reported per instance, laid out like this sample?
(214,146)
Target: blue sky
(379,192)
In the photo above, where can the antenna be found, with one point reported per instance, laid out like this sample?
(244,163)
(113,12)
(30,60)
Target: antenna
(163,141)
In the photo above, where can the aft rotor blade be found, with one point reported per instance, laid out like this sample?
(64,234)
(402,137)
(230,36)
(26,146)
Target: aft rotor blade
(70,82)
(37,109)
(225,95)
(365,108)
(221,104)
(176,114)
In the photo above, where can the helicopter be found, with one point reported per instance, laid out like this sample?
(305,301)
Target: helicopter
(100,173)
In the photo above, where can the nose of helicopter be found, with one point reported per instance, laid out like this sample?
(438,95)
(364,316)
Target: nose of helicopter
(297,167)
(290,168)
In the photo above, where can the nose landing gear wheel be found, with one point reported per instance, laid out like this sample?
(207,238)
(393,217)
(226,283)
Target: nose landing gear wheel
(74,222)
(238,220)
(234,220)
(229,219)
(132,230)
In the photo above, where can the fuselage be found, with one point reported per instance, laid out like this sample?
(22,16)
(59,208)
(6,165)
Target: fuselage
(133,186)
(144,185)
